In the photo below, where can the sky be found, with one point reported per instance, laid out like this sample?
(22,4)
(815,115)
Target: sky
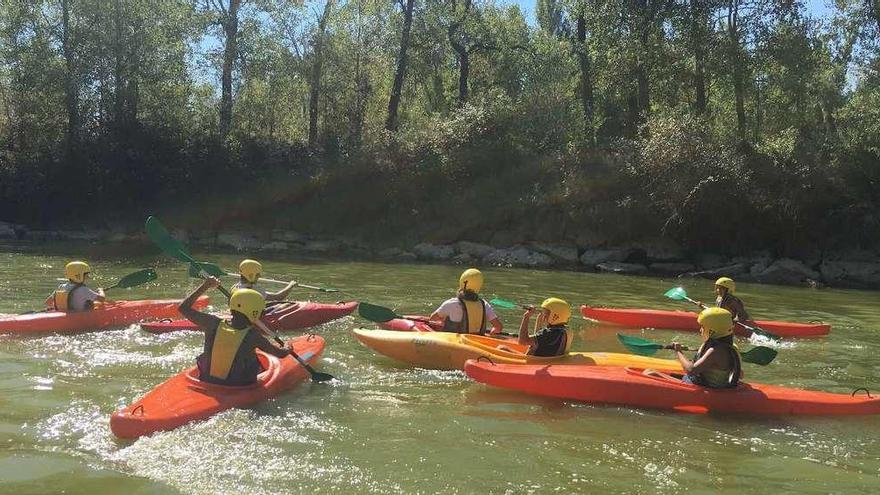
(819,8)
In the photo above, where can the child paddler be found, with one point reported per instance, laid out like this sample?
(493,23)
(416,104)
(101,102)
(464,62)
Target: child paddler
(725,288)
(717,363)
(73,295)
(229,356)
(250,272)
(551,337)
(467,312)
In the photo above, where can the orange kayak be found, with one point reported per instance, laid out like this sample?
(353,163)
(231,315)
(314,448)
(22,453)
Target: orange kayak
(111,314)
(294,315)
(631,387)
(687,320)
(183,398)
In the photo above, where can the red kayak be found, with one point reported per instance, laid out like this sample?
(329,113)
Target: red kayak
(111,314)
(283,317)
(687,320)
(410,323)
(631,387)
(184,398)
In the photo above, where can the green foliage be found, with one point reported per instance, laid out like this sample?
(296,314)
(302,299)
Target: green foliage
(117,104)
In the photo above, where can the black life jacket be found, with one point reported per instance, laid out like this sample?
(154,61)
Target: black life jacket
(732,378)
(550,341)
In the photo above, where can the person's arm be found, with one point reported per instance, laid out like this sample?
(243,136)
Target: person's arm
(524,338)
(497,326)
(281,294)
(439,315)
(99,295)
(203,320)
(686,363)
(694,366)
(263,343)
(741,313)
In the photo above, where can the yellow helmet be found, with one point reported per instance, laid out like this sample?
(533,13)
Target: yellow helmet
(76,271)
(727,283)
(560,311)
(471,279)
(250,270)
(715,323)
(248,302)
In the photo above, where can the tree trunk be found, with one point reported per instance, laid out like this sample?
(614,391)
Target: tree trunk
(874,12)
(737,61)
(391,123)
(315,84)
(586,83)
(71,92)
(699,37)
(464,71)
(642,77)
(118,78)
(230,52)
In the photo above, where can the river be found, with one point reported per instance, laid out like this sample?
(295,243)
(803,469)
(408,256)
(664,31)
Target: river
(386,428)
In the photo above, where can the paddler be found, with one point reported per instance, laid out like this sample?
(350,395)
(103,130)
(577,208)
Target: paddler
(552,339)
(229,356)
(250,272)
(717,363)
(725,288)
(467,312)
(73,295)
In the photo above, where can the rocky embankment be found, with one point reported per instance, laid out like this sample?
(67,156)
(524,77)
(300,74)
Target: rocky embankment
(852,268)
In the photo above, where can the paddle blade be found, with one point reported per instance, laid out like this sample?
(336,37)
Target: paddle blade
(636,345)
(759,355)
(760,331)
(196,269)
(378,314)
(501,303)
(317,376)
(136,278)
(162,238)
(677,293)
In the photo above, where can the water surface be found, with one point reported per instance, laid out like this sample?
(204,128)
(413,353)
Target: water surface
(386,428)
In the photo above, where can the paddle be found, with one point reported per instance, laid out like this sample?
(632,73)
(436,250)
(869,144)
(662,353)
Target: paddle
(679,294)
(501,303)
(217,271)
(381,314)
(160,236)
(759,355)
(134,279)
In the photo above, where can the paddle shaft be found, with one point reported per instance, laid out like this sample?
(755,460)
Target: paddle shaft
(315,375)
(282,282)
(747,327)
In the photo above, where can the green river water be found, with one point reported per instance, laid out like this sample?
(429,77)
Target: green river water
(386,428)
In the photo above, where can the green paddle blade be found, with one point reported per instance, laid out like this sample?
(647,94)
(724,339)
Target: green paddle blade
(135,279)
(162,238)
(378,314)
(759,355)
(677,293)
(636,345)
(501,303)
(196,269)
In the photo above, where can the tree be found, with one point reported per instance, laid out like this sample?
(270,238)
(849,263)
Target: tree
(391,122)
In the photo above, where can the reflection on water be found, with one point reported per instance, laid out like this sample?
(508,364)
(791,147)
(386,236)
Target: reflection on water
(385,428)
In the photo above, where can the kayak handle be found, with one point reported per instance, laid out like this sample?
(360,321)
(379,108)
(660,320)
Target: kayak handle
(487,358)
(867,392)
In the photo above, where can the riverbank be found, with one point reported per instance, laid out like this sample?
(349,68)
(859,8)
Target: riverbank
(846,269)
